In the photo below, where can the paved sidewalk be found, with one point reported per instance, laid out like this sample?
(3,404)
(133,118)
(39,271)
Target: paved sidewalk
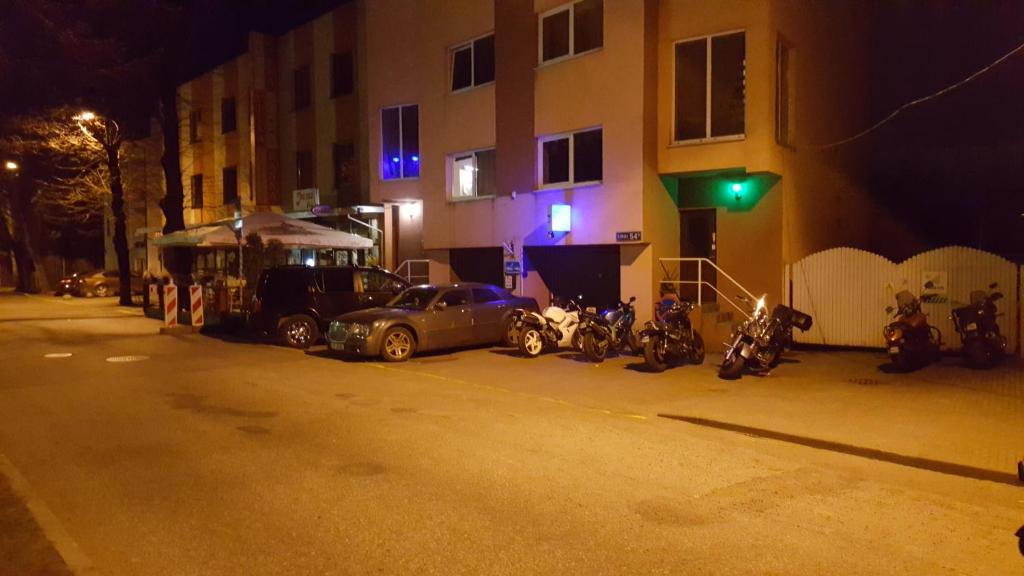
(944,412)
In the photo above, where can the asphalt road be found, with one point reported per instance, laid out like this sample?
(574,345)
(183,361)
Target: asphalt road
(204,456)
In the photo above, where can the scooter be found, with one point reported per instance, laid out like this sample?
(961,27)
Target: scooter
(911,342)
(554,327)
(759,341)
(612,330)
(672,339)
(983,345)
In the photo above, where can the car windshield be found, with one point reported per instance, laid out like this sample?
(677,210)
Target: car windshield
(417,298)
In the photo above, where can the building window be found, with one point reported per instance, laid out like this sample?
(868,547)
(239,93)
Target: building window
(228,115)
(230,185)
(571,158)
(345,173)
(194,119)
(473,63)
(473,175)
(197,190)
(302,93)
(710,90)
(572,29)
(342,74)
(784,115)
(303,169)
(400,142)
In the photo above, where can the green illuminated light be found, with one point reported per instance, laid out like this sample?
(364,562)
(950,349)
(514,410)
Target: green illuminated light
(737,188)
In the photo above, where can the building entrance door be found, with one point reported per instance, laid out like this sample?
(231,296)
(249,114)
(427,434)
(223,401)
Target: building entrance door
(698,239)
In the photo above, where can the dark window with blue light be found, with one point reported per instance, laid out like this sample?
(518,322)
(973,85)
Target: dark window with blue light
(400,142)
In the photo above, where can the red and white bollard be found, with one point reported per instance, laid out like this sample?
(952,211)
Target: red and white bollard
(170,305)
(195,295)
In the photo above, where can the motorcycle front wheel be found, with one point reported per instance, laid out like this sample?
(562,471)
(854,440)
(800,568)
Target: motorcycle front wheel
(654,357)
(577,341)
(595,347)
(697,349)
(732,366)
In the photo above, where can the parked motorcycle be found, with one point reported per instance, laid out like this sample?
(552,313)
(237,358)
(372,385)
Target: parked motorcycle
(612,330)
(759,341)
(910,340)
(554,327)
(983,345)
(671,339)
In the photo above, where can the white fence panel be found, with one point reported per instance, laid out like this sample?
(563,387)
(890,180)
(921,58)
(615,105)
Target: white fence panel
(847,290)
(843,290)
(964,270)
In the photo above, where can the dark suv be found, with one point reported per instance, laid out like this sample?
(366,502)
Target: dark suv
(295,303)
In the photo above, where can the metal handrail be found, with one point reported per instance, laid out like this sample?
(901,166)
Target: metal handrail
(700,282)
(407,264)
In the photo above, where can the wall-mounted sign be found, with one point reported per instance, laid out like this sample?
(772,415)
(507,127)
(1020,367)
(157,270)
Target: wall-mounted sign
(322,209)
(510,282)
(634,236)
(305,199)
(561,218)
(933,286)
(513,267)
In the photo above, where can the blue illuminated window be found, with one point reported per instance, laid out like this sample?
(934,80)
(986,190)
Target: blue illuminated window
(400,142)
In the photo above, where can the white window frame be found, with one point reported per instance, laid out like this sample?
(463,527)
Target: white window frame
(472,64)
(401,144)
(452,176)
(571,183)
(571,8)
(707,91)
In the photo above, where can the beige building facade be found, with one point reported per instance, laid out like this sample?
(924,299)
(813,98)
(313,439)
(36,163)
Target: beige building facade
(559,148)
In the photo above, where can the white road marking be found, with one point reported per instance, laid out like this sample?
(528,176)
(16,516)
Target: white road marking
(54,531)
(57,355)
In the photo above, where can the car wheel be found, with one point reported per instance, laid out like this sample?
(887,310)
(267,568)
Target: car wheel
(531,343)
(398,345)
(101,290)
(298,331)
(510,335)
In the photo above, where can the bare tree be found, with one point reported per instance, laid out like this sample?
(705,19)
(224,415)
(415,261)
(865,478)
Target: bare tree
(83,151)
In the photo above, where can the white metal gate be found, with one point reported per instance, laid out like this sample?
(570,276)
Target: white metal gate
(847,290)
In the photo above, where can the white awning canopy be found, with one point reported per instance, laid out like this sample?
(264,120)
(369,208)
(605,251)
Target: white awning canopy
(290,232)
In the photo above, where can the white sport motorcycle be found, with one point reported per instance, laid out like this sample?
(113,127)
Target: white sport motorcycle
(555,327)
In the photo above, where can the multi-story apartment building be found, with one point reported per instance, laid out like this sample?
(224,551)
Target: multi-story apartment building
(575,144)
(589,139)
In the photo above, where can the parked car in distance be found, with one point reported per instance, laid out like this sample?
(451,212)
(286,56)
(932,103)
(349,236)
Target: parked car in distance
(426,318)
(68,285)
(295,303)
(103,283)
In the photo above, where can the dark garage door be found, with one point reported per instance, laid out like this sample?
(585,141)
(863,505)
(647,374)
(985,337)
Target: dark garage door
(478,265)
(571,271)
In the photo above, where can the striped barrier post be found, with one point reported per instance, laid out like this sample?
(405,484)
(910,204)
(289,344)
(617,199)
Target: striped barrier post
(170,305)
(195,296)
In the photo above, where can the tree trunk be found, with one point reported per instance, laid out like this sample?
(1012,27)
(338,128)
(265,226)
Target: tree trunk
(176,260)
(15,234)
(120,225)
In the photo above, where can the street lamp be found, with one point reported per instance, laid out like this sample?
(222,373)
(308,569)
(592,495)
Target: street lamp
(11,166)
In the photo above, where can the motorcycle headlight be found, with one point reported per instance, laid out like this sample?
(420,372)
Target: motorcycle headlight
(760,308)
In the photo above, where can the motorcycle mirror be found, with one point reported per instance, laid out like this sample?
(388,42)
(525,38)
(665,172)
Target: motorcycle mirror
(889,309)
(993,286)
(996,296)
(632,299)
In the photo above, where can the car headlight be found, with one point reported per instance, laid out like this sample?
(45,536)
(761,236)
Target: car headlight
(360,329)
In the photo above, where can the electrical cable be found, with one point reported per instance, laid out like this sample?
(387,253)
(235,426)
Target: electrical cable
(920,100)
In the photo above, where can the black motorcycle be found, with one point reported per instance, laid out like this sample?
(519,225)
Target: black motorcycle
(983,345)
(672,339)
(759,341)
(612,330)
